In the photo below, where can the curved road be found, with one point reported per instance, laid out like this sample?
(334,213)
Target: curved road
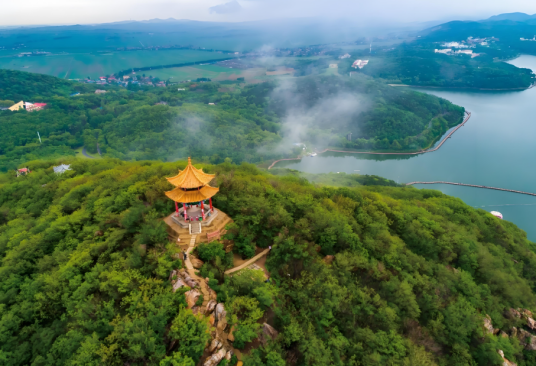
(85,153)
(386,153)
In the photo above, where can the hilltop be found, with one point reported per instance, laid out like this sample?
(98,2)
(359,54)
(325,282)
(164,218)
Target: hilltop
(359,275)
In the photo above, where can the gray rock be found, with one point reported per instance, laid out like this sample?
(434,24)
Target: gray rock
(191,297)
(178,284)
(211,305)
(488,325)
(220,312)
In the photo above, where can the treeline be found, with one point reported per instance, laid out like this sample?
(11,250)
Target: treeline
(253,124)
(365,275)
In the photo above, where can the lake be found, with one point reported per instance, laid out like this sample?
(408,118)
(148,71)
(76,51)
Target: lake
(494,148)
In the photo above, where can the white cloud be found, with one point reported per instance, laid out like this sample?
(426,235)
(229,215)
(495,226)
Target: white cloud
(227,8)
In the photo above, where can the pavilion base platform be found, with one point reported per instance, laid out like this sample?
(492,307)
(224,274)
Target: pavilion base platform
(180,229)
(192,213)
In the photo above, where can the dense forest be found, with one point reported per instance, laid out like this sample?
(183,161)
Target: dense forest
(364,275)
(416,63)
(252,123)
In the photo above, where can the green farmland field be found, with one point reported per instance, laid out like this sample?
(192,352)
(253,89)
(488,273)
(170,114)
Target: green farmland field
(193,72)
(82,65)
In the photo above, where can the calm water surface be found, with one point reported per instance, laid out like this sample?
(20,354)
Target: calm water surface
(496,148)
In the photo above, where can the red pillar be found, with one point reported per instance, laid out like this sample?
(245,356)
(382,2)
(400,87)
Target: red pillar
(203,209)
(185,213)
(210,200)
(177,209)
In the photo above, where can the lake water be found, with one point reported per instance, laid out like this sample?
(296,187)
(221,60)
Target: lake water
(496,147)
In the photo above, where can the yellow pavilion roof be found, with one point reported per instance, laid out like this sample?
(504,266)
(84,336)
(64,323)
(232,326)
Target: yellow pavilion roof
(191,177)
(182,196)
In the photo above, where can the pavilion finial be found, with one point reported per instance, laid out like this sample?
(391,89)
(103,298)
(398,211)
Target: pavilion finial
(189,160)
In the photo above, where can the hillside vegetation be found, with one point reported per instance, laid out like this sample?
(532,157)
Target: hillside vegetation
(85,260)
(416,64)
(252,124)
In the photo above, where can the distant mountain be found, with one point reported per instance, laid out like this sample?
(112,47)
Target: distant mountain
(516,17)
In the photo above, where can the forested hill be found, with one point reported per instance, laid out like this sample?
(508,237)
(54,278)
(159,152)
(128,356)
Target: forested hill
(254,123)
(359,276)
(19,85)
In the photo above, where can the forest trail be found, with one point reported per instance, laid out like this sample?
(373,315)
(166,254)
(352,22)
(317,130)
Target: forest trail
(449,135)
(251,261)
(191,272)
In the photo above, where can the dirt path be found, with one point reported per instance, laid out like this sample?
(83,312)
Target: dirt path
(251,261)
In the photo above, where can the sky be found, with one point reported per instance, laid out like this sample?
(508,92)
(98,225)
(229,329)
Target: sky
(43,12)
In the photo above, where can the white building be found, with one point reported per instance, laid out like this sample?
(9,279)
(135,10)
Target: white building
(454,45)
(360,64)
(60,169)
(346,55)
(465,52)
(333,66)
(445,50)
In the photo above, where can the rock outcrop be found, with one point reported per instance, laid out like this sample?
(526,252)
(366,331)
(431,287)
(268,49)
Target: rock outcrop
(220,315)
(488,325)
(181,278)
(531,323)
(527,340)
(267,333)
(191,297)
(215,345)
(211,305)
(505,361)
(215,358)
(513,314)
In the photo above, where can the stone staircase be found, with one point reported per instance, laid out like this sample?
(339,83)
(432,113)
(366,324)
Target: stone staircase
(191,271)
(195,228)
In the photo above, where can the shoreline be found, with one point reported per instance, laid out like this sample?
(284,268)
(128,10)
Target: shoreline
(460,87)
(449,135)
(474,186)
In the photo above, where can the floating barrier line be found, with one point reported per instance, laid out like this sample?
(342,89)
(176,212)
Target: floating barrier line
(473,185)
(386,153)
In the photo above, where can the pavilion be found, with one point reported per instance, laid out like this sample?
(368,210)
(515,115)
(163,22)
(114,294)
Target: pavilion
(192,190)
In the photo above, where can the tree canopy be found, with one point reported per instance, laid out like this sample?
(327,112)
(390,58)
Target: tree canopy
(360,275)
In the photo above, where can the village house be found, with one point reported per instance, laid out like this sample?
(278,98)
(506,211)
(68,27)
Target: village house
(100,91)
(17,106)
(32,107)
